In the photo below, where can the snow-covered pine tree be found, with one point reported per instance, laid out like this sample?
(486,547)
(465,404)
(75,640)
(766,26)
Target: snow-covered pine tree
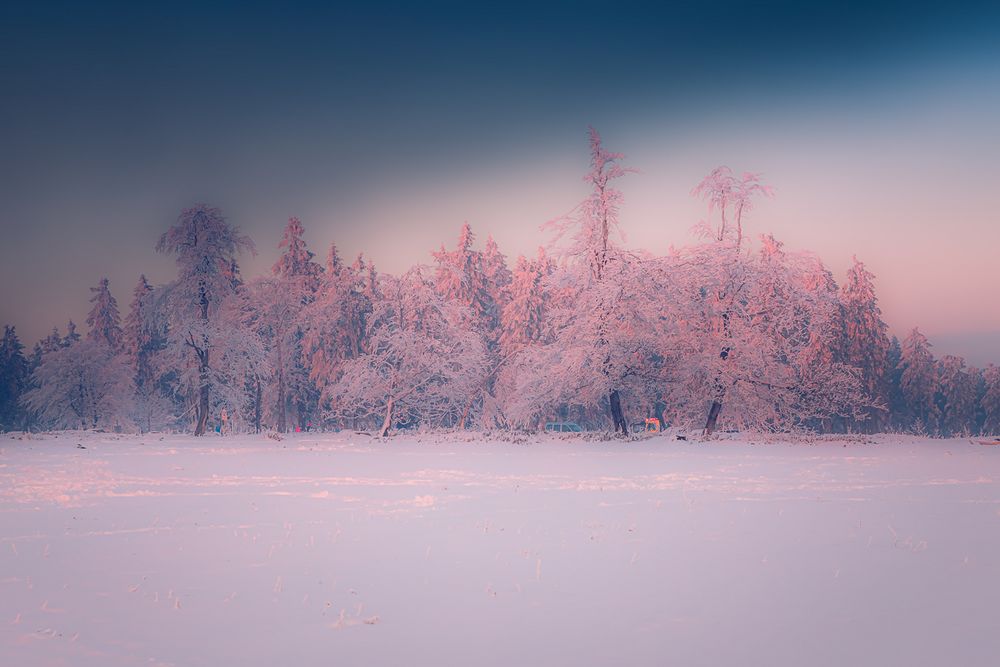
(104,320)
(461,276)
(143,338)
(918,383)
(826,340)
(48,344)
(521,321)
(498,277)
(277,304)
(335,324)
(296,261)
(866,340)
(13,380)
(51,342)
(71,334)
(957,396)
(137,335)
(897,403)
(478,281)
(205,246)
(990,402)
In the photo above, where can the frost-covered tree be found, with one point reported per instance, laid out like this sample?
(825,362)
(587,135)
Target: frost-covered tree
(772,320)
(520,325)
(205,246)
(957,396)
(894,380)
(13,379)
(990,402)
(602,347)
(590,358)
(276,306)
(335,324)
(103,319)
(71,335)
(461,276)
(918,383)
(522,317)
(51,342)
(866,340)
(243,362)
(730,198)
(296,260)
(138,337)
(136,334)
(144,335)
(479,281)
(498,280)
(591,227)
(420,361)
(81,385)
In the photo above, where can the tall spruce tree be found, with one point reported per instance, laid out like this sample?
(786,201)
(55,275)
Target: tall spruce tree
(918,383)
(336,323)
(71,335)
(13,380)
(144,337)
(866,341)
(205,246)
(296,260)
(897,404)
(497,277)
(956,396)
(137,334)
(104,320)
(277,304)
(989,404)
(461,277)
(522,315)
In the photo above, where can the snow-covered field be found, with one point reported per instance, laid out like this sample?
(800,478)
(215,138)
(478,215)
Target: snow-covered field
(326,549)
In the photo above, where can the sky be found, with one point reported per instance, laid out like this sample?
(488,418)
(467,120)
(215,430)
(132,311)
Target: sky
(385,126)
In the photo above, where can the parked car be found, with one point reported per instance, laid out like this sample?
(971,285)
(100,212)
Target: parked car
(563,427)
(650,425)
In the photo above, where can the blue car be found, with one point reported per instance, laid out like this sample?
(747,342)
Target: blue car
(563,427)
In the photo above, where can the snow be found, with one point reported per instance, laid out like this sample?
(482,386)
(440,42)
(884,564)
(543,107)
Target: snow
(456,550)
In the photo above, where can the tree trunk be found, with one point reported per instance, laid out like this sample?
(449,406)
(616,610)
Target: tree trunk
(282,421)
(387,423)
(465,412)
(257,407)
(202,354)
(720,390)
(202,412)
(617,415)
(713,416)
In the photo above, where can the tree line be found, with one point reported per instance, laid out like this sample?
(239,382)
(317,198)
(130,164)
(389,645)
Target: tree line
(730,332)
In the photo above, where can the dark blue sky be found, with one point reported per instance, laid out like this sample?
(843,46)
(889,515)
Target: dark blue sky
(385,78)
(116,115)
(389,84)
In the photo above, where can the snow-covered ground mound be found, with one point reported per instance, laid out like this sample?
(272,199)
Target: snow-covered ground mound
(323,549)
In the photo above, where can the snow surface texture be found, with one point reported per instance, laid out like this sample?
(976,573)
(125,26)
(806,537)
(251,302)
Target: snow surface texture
(325,549)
